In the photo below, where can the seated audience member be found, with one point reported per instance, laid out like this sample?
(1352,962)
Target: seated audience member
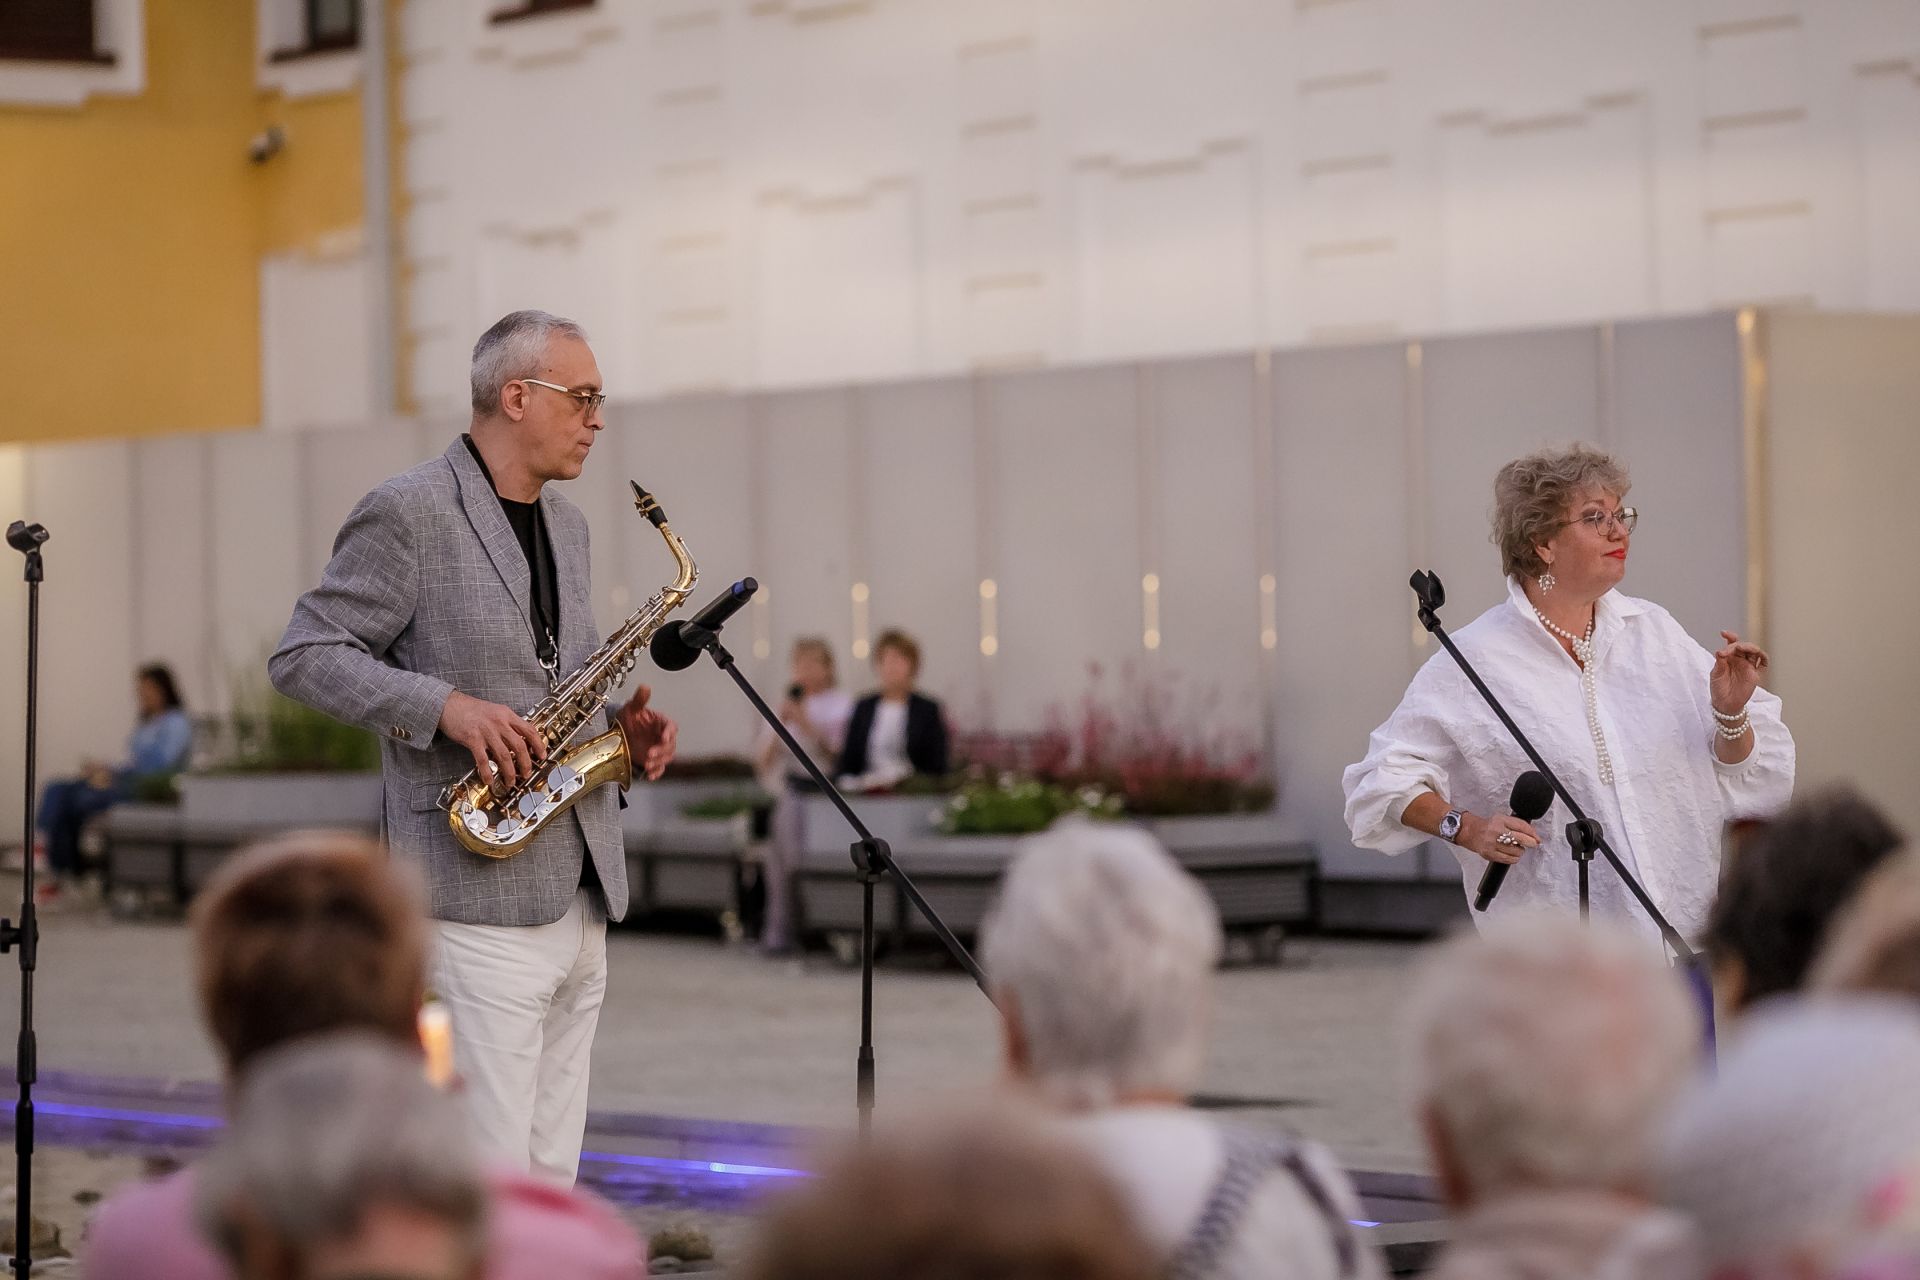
(311,934)
(342,1163)
(971,1197)
(1874,943)
(816,712)
(159,745)
(895,732)
(1781,887)
(1100,955)
(1544,1056)
(1800,1157)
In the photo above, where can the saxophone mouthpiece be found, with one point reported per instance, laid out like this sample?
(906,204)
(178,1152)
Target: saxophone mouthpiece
(644,503)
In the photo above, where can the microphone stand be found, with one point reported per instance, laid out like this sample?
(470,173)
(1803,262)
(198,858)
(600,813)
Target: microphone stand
(872,859)
(26,538)
(1583,833)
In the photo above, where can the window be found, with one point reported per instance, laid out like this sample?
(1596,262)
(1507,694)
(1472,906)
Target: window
(49,31)
(534,8)
(326,27)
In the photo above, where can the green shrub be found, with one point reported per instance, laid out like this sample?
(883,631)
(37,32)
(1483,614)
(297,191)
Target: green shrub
(274,734)
(1014,806)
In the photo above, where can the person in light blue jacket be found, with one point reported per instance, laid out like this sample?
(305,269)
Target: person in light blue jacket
(159,745)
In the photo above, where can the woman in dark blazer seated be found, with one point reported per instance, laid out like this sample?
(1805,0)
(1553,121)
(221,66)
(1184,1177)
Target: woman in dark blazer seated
(896,732)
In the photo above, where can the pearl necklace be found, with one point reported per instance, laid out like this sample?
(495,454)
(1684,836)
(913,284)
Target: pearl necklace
(1583,651)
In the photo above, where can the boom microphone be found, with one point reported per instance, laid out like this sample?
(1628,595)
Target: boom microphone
(1532,797)
(671,648)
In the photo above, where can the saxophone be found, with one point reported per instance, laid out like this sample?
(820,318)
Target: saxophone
(499,824)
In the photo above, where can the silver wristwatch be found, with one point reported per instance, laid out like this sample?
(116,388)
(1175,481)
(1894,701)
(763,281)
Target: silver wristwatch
(1450,825)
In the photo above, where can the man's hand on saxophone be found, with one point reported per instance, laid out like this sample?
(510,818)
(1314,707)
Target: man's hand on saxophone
(497,737)
(651,737)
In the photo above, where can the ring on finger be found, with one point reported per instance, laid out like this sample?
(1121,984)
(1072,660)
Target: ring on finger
(1507,838)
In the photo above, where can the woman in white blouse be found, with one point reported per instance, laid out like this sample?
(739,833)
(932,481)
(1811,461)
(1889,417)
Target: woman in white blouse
(1660,740)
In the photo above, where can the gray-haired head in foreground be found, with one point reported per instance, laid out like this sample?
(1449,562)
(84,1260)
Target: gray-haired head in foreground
(1546,1053)
(1107,948)
(1531,496)
(324,1130)
(515,347)
(1805,1144)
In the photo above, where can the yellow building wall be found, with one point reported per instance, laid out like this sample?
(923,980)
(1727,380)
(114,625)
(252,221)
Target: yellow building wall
(132,229)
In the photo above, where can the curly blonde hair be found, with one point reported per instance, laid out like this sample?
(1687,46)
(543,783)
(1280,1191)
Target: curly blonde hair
(1531,497)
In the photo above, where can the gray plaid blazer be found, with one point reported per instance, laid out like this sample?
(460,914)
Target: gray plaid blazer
(427,593)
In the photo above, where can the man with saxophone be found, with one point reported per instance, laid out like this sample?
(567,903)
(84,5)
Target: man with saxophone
(457,592)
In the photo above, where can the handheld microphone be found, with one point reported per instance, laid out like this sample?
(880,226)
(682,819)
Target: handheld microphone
(1532,797)
(670,647)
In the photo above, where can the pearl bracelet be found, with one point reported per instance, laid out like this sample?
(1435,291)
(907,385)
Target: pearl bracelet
(1734,730)
(1735,718)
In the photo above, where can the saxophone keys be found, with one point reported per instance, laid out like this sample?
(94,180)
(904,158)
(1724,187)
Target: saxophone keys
(529,805)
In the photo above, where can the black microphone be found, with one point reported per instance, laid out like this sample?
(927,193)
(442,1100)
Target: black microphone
(1532,797)
(671,647)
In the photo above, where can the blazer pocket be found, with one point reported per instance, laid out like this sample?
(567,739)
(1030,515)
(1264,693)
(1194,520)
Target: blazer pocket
(426,796)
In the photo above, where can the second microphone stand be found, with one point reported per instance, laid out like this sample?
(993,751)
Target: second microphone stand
(872,859)
(1583,833)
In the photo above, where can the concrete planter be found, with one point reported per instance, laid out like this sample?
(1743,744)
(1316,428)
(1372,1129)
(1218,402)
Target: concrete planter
(281,799)
(652,806)
(1261,874)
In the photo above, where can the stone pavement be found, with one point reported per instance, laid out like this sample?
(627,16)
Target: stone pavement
(694,1028)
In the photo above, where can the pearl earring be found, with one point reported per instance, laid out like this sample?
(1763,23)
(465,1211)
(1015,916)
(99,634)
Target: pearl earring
(1546,581)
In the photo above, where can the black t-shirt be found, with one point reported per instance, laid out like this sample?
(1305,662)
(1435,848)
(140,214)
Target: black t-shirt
(530,531)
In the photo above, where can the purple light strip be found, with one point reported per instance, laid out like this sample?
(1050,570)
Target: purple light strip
(180,1120)
(666,1163)
(170,1118)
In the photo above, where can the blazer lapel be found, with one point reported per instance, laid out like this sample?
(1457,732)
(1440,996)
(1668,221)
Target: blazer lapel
(570,570)
(490,526)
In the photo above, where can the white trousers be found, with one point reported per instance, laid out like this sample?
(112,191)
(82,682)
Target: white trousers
(524,1002)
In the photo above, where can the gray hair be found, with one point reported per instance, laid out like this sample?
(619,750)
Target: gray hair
(325,1129)
(1808,1118)
(512,349)
(1546,1054)
(1531,496)
(1107,947)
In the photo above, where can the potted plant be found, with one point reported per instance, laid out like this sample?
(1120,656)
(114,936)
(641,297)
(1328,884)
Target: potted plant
(286,765)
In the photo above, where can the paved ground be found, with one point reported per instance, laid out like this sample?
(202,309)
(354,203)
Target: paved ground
(695,1028)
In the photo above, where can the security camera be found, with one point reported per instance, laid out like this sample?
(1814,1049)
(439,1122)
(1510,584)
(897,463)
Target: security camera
(267,145)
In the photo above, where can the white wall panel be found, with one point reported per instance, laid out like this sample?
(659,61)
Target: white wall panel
(1890,163)
(919,507)
(802,194)
(858,248)
(310,304)
(696,456)
(1065,546)
(1843,454)
(1204,541)
(1485,401)
(1164,251)
(1521,191)
(336,470)
(1341,511)
(1677,426)
(258,569)
(173,505)
(82,493)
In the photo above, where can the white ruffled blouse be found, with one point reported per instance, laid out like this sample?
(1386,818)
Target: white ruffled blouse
(1670,798)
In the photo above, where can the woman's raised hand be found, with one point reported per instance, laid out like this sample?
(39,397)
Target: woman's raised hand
(1736,673)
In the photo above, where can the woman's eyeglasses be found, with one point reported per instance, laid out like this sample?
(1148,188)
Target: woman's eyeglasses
(1597,521)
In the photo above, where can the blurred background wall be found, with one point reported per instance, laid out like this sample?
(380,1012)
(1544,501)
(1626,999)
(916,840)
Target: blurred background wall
(1160,335)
